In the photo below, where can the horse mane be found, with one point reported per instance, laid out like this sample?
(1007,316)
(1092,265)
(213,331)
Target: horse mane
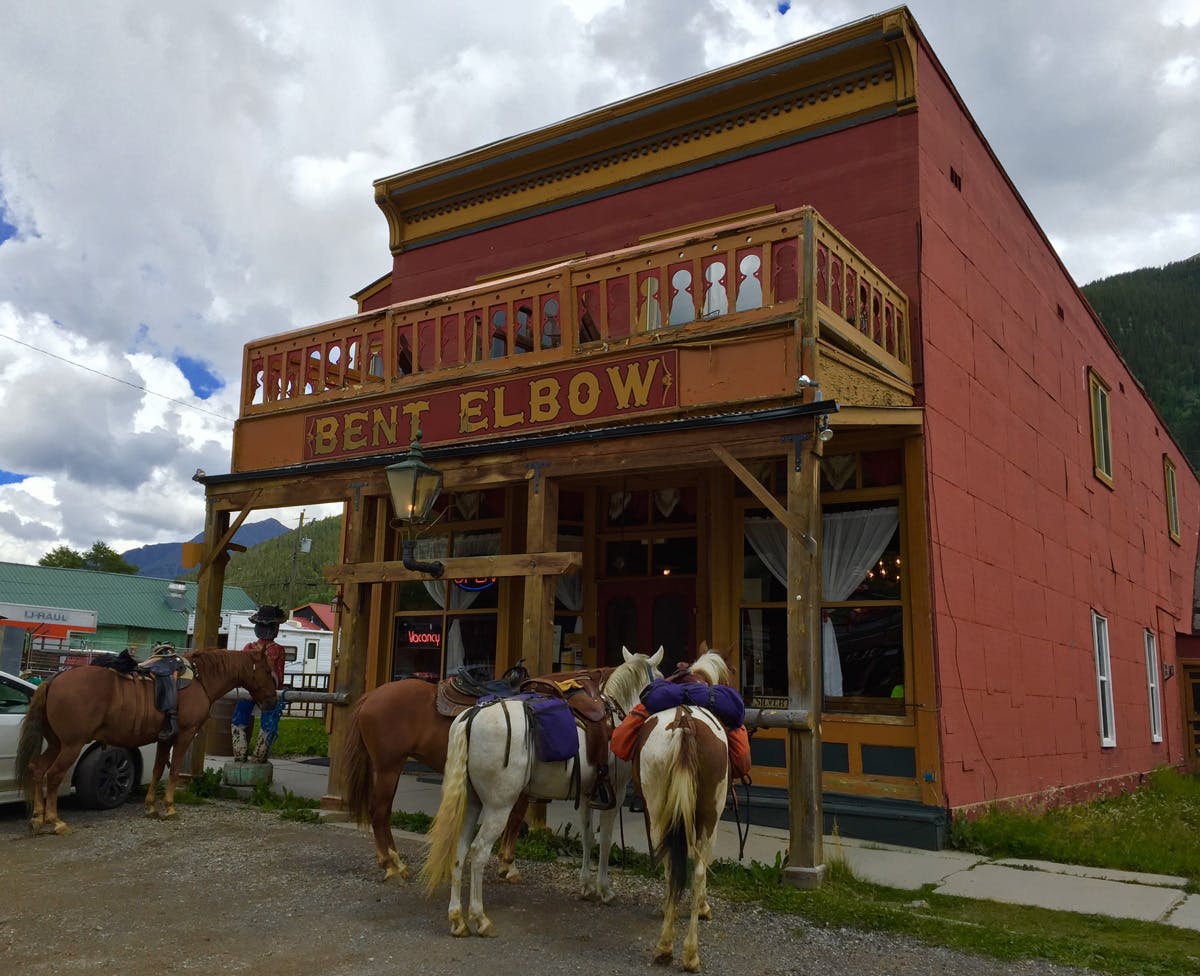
(626,681)
(215,658)
(713,668)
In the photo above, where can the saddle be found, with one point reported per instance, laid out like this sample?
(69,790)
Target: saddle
(170,673)
(581,691)
(466,686)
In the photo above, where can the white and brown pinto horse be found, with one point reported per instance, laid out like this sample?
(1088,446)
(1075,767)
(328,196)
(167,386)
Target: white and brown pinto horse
(491,762)
(682,771)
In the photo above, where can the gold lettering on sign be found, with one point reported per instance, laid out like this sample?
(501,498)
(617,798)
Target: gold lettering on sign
(354,435)
(325,430)
(543,400)
(470,412)
(413,411)
(383,430)
(505,419)
(632,383)
(583,394)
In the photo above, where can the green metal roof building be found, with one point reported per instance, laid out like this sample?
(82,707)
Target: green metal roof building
(132,611)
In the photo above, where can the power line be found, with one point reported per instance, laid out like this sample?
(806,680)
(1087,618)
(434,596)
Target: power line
(117,379)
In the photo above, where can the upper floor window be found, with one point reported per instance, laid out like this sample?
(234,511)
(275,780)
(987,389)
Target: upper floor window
(1172,498)
(1152,673)
(1101,431)
(1104,695)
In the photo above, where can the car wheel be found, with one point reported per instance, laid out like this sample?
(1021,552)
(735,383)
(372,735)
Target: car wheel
(105,777)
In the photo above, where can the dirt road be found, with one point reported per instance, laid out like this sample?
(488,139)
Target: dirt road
(227,888)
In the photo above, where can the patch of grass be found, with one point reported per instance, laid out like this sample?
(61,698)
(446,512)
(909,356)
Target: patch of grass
(287,804)
(417,823)
(1154,829)
(301,737)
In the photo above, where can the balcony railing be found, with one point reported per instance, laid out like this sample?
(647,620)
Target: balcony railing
(734,276)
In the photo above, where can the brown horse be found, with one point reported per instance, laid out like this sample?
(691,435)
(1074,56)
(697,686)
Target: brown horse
(390,724)
(90,702)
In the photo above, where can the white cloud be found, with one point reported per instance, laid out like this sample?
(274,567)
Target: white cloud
(185,178)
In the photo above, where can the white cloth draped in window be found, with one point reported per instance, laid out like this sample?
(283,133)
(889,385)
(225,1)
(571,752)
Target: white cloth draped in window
(434,547)
(851,543)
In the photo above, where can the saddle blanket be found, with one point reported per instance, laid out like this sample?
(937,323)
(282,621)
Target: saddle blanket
(725,703)
(555,734)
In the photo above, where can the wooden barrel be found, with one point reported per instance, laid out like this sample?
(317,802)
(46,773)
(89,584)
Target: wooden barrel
(217,738)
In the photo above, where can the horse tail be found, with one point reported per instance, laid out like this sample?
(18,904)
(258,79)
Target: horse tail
(447,823)
(679,807)
(33,731)
(357,771)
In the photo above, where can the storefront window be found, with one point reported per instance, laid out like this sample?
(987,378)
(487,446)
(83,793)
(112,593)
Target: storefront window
(862,613)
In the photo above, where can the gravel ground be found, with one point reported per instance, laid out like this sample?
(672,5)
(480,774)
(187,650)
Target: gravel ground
(225,887)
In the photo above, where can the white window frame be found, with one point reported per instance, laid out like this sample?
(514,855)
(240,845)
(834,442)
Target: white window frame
(310,651)
(1104,696)
(1152,686)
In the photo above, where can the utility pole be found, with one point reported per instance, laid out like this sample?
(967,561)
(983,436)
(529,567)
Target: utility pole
(296,550)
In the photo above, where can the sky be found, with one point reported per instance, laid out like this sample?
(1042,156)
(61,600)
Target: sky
(179,179)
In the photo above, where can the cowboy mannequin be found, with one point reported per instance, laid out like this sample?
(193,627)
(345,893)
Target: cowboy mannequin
(266,622)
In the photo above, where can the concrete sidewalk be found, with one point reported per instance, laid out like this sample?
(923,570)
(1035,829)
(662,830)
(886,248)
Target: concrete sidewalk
(1040,884)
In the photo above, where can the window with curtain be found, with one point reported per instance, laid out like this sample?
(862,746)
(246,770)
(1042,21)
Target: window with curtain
(442,625)
(862,619)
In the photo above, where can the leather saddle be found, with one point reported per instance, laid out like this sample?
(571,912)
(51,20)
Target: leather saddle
(462,689)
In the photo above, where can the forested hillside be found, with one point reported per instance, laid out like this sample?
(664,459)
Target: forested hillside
(276,571)
(1153,316)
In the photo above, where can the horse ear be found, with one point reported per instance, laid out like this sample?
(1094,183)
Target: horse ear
(625,653)
(703,650)
(658,656)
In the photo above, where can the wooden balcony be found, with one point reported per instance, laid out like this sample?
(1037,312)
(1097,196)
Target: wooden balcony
(681,289)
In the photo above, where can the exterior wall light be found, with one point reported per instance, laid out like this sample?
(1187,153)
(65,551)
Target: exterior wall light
(414,487)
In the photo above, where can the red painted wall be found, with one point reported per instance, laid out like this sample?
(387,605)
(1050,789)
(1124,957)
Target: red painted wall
(860,180)
(1026,541)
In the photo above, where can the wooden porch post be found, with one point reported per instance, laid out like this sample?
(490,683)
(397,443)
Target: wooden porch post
(537,629)
(350,666)
(210,588)
(806,867)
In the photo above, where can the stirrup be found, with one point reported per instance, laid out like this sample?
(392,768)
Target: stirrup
(603,797)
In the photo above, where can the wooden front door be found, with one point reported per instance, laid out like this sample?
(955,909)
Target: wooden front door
(645,614)
(1191,717)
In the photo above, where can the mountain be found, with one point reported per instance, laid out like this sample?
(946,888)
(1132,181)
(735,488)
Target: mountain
(280,571)
(1153,315)
(165,559)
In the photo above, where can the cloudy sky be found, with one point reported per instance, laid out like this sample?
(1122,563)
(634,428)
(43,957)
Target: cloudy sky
(177,179)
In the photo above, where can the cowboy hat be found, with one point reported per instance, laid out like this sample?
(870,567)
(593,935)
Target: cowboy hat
(268,614)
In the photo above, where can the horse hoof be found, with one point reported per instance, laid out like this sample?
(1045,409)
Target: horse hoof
(513,877)
(691,965)
(61,828)
(395,873)
(607,897)
(486,929)
(662,958)
(459,929)
(705,913)
(170,814)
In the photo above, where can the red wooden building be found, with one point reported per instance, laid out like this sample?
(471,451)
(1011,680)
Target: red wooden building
(776,358)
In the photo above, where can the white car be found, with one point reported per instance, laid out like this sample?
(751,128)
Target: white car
(102,777)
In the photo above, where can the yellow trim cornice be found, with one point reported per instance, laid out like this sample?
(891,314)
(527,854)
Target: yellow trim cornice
(859,72)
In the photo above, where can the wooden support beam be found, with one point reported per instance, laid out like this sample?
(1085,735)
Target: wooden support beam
(210,590)
(794,525)
(806,867)
(541,533)
(226,541)
(460,567)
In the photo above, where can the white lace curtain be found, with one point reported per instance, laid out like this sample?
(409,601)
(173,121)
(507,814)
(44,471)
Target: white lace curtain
(851,543)
(435,547)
